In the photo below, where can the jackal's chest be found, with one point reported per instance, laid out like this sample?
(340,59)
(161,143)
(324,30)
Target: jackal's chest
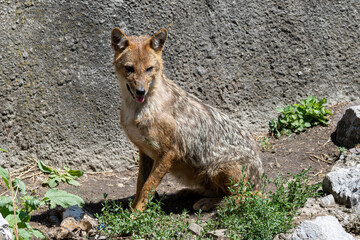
(141,138)
(151,131)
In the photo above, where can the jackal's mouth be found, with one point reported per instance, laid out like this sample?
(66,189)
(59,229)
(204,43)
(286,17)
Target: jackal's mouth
(137,98)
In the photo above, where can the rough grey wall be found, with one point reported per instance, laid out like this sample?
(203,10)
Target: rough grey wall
(59,99)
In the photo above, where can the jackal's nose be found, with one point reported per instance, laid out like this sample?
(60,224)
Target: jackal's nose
(140,92)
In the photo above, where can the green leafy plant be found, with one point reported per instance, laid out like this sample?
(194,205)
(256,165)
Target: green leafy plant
(16,209)
(55,176)
(2,150)
(245,214)
(297,117)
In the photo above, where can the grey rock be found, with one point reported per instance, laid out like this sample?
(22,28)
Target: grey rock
(348,128)
(5,232)
(74,211)
(344,185)
(347,160)
(322,228)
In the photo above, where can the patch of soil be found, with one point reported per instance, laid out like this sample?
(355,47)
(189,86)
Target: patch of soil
(289,154)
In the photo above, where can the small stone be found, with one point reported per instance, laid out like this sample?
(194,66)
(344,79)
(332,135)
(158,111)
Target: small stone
(201,70)
(327,201)
(196,229)
(69,223)
(88,223)
(218,234)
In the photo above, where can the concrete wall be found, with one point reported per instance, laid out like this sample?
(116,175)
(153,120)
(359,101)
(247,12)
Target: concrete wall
(59,99)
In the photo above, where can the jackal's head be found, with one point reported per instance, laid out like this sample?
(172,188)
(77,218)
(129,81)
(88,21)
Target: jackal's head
(137,61)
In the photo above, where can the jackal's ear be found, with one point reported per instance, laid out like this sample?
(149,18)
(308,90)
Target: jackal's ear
(119,40)
(157,41)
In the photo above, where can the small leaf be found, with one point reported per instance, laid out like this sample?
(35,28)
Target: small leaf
(73,182)
(25,234)
(43,167)
(5,200)
(11,219)
(307,124)
(24,216)
(31,203)
(4,174)
(38,234)
(20,185)
(52,182)
(75,173)
(2,150)
(279,109)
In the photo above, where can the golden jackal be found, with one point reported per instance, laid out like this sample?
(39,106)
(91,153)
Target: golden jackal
(174,131)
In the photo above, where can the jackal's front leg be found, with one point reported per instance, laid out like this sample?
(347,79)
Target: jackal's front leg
(159,169)
(145,166)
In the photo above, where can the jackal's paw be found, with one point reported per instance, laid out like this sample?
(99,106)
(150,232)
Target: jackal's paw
(207,204)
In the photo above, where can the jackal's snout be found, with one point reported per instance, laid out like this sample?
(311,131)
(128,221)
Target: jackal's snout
(140,93)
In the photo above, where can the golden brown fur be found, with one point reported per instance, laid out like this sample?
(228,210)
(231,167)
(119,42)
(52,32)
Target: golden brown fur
(173,130)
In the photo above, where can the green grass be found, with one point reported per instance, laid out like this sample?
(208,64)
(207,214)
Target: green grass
(152,223)
(256,217)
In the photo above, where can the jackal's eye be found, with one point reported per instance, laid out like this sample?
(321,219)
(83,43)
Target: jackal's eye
(148,70)
(129,69)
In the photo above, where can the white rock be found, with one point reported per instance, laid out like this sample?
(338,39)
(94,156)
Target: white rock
(327,201)
(322,228)
(5,232)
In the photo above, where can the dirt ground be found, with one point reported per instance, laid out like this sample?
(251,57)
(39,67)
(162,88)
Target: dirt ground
(289,154)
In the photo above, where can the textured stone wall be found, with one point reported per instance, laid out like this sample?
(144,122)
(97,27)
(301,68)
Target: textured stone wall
(59,99)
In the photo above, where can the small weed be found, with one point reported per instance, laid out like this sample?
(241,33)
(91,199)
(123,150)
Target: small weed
(297,117)
(17,208)
(265,143)
(255,217)
(68,176)
(341,149)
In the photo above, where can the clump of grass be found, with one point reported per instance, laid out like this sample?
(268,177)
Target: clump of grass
(152,223)
(245,214)
(263,217)
(297,117)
